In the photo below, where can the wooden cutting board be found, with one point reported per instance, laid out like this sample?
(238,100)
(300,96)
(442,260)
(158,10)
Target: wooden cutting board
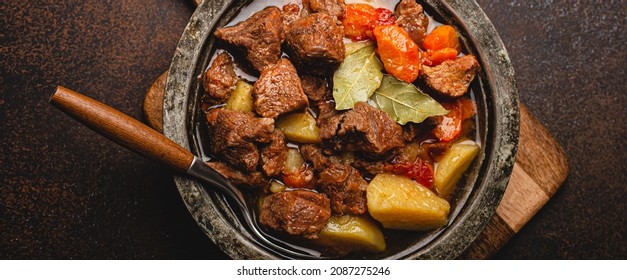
(540,169)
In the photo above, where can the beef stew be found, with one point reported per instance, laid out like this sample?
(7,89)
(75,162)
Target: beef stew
(354,146)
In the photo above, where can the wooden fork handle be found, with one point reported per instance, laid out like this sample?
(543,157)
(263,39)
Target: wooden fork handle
(121,128)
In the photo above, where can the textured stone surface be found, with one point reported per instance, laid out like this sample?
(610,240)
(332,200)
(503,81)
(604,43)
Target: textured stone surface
(569,58)
(69,193)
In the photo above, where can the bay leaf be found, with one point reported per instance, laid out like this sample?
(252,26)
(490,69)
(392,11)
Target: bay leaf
(404,102)
(357,78)
(352,47)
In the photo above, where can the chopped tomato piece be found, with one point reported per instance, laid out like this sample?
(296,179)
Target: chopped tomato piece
(398,52)
(384,16)
(436,57)
(450,125)
(302,178)
(443,36)
(420,171)
(361,19)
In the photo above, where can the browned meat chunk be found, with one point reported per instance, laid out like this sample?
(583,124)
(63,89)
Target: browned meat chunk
(341,182)
(234,135)
(334,8)
(278,90)
(345,187)
(435,151)
(316,88)
(314,154)
(260,35)
(290,13)
(239,178)
(373,167)
(363,128)
(410,16)
(413,131)
(452,77)
(219,79)
(296,212)
(273,154)
(426,151)
(326,109)
(315,44)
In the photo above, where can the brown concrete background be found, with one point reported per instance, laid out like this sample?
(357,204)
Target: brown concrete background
(67,193)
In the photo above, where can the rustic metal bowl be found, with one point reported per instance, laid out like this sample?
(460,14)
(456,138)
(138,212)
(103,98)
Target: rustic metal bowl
(475,201)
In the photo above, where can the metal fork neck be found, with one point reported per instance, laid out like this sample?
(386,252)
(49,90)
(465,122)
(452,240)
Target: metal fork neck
(204,172)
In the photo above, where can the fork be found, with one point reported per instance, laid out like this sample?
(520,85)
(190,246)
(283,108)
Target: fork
(145,141)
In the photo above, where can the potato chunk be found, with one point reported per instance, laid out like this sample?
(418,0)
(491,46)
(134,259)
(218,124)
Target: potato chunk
(452,166)
(276,187)
(400,203)
(293,161)
(349,233)
(300,127)
(241,99)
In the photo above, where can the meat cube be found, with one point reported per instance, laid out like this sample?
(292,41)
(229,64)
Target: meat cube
(234,136)
(341,182)
(315,155)
(384,163)
(316,88)
(451,77)
(315,44)
(326,109)
(289,13)
(413,131)
(239,178)
(334,8)
(373,167)
(363,128)
(273,155)
(345,187)
(410,16)
(278,90)
(219,79)
(297,212)
(260,35)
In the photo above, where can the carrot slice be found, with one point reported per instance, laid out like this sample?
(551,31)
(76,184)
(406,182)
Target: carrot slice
(443,36)
(439,56)
(398,52)
(360,19)
(469,109)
